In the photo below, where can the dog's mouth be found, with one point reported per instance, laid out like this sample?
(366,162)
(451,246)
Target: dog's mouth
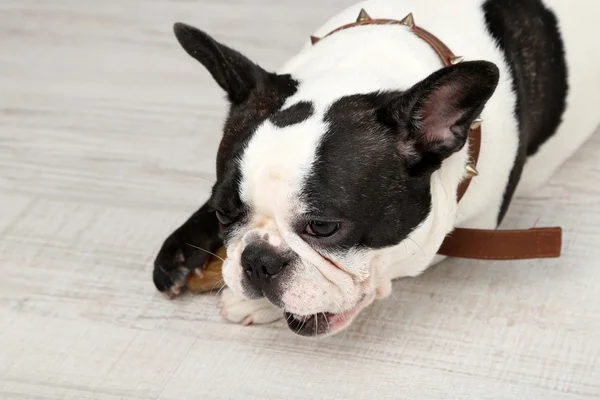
(323,323)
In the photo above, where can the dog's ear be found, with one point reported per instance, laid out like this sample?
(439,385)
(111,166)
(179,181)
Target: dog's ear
(433,117)
(237,75)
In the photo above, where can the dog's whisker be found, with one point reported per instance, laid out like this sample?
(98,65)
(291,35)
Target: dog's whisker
(217,283)
(349,303)
(205,179)
(326,320)
(416,244)
(338,306)
(341,312)
(302,325)
(206,251)
(162,269)
(221,288)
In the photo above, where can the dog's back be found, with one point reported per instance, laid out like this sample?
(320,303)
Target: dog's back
(579,30)
(546,46)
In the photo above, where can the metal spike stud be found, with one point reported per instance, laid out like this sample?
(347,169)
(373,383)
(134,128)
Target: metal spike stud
(314,40)
(471,171)
(476,123)
(456,59)
(408,21)
(363,16)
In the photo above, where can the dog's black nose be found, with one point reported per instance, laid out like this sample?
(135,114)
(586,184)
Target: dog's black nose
(261,263)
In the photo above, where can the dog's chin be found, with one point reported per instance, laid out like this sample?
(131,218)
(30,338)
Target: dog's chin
(324,323)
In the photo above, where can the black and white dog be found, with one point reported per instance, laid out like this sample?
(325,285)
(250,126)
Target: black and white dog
(339,173)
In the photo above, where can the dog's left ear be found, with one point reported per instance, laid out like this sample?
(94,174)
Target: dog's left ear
(235,73)
(435,115)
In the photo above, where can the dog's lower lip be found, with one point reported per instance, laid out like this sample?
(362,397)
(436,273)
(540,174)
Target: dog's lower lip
(316,324)
(320,323)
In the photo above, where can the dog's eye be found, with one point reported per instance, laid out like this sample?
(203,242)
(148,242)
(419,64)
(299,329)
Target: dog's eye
(321,228)
(223,219)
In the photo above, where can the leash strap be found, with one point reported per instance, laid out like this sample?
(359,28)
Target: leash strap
(481,244)
(488,244)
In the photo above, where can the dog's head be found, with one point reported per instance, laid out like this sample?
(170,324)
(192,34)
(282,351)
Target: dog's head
(312,186)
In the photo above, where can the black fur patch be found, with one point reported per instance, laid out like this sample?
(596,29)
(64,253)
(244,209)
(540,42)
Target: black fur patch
(527,32)
(360,178)
(293,115)
(373,167)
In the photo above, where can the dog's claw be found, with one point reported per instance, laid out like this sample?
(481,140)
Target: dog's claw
(172,292)
(168,295)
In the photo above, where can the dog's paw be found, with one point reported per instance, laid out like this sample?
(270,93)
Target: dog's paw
(243,311)
(176,260)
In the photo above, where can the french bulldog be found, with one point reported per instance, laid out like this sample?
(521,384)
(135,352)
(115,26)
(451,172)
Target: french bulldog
(339,172)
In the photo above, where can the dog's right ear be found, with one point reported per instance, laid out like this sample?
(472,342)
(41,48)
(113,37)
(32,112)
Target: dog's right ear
(237,75)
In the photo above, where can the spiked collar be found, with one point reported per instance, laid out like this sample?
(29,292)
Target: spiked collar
(462,242)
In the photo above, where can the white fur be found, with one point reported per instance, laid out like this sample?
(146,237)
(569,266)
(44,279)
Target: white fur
(240,310)
(359,60)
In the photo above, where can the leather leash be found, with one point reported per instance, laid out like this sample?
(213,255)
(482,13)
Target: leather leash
(482,244)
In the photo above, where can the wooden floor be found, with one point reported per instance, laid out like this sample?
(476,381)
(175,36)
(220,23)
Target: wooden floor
(108,134)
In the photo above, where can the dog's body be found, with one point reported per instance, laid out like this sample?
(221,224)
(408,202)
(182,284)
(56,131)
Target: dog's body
(362,135)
